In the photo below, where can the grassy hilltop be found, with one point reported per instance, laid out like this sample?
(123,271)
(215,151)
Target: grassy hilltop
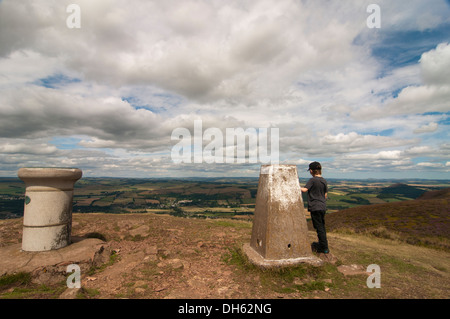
(155,255)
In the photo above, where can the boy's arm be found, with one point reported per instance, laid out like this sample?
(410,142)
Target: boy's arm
(308,185)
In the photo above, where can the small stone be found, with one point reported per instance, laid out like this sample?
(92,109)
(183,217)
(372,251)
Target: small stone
(200,244)
(159,288)
(151,250)
(139,290)
(173,263)
(140,283)
(150,258)
(70,293)
(176,263)
(351,270)
(141,231)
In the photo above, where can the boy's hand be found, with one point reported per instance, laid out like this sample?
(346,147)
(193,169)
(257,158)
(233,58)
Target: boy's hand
(303,189)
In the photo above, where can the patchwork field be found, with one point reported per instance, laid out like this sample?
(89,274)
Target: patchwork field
(208,197)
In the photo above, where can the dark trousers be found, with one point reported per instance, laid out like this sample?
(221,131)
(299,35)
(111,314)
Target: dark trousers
(318,220)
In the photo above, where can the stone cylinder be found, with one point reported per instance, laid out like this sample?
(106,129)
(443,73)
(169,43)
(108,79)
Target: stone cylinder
(47,221)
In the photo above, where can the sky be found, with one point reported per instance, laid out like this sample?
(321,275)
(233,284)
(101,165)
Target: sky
(103,88)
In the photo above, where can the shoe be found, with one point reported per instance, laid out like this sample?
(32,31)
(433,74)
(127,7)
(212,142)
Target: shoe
(315,247)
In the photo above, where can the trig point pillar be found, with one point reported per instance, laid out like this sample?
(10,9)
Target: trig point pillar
(47,220)
(279,233)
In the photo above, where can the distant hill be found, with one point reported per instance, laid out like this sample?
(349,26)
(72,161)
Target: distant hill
(422,221)
(401,190)
(437,194)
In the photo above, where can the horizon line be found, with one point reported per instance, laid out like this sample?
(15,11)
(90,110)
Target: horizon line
(247,177)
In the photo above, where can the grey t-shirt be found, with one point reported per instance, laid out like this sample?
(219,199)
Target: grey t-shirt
(317,188)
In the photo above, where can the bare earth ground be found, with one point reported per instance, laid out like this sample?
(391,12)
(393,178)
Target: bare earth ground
(159,256)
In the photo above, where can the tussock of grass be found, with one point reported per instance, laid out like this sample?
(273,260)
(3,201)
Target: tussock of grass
(301,278)
(20,286)
(113,257)
(21,278)
(228,223)
(87,293)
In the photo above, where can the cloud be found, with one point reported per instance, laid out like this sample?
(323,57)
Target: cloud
(199,49)
(27,148)
(436,65)
(427,128)
(354,142)
(409,159)
(22,66)
(430,165)
(383,155)
(394,155)
(433,95)
(417,15)
(137,70)
(419,150)
(35,111)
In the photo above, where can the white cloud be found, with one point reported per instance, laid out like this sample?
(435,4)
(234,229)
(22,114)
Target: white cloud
(37,112)
(436,65)
(419,150)
(427,128)
(354,142)
(433,95)
(143,68)
(27,147)
(431,165)
(25,66)
(382,155)
(200,49)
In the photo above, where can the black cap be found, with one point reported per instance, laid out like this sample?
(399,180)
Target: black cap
(314,165)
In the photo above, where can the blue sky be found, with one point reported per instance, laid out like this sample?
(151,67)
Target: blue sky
(405,47)
(106,97)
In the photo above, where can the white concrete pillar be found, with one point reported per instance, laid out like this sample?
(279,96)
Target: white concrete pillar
(279,233)
(47,221)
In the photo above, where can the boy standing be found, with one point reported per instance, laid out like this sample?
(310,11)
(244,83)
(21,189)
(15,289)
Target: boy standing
(317,190)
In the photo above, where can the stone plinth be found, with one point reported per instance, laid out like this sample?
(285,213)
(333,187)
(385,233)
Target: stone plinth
(279,233)
(47,221)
